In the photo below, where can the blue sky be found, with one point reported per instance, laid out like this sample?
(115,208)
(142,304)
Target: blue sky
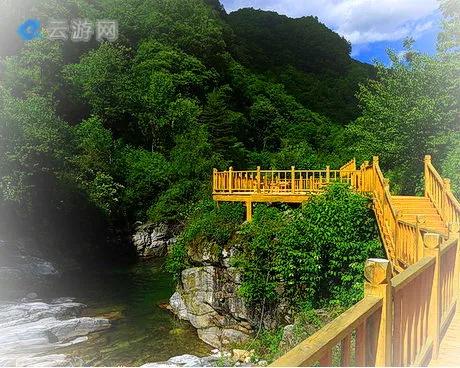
(370,25)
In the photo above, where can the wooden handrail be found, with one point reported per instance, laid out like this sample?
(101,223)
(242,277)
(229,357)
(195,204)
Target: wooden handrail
(386,190)
(351,165)
(422,298)
(400,321)
(440,193)
(279,181)
(316,346)
(454,200)
(411,272)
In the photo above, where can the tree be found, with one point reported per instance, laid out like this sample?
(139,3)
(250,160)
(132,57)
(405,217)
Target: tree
(406,113)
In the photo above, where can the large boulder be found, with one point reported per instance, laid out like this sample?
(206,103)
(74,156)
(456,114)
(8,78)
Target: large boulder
(68,329)
(152,240)
(31,329)
(208,299)
(178,306)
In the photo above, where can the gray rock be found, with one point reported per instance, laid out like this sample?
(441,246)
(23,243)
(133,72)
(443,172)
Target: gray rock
(78,327)
(186,360)
(32,296)
(30,329)
(54,360)
(62,300)
(152,240)
(288,339)
(178,307)
(208,297)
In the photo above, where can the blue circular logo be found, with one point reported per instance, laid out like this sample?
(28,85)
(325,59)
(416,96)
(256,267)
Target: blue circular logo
(30,29)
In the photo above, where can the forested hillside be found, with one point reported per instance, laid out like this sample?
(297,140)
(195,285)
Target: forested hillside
(312,62)
(96,136)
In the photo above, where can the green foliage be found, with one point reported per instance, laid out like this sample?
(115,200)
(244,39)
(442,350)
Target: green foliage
(101,78)
(450,169)
(317,70)
(145,175)
(408,112)
(265,344)
(34,145)
(132,129)
(315,254)
(208,226)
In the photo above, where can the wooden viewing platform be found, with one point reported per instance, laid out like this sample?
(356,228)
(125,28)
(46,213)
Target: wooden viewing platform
(289,186)
(411,299)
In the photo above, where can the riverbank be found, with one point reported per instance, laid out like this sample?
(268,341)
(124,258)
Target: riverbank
(64,312)
(132,297)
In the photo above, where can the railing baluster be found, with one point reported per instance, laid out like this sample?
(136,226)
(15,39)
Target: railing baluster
(345,349)
(326,360)
(360,345)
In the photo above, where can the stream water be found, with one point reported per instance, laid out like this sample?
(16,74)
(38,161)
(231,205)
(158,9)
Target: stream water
(141,331)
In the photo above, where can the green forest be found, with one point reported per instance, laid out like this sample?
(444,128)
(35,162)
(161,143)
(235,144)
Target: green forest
(97,136)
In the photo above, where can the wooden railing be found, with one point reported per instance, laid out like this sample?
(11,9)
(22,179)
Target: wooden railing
(403,240)
(400,321)
(349,166)
(385,210)
(350,325)
(281,181)
(438,190)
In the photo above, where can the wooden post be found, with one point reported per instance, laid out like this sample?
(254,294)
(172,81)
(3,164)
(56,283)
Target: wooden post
(445,200)
(454,228)
(293,179)
(419,245)
(432,249)
(214,181)
(387,183)
(328,174)
(258,179)
(366,179)
(427,161)
(375,164)
(230,179)
(378,275)
(397,233)
(248,211)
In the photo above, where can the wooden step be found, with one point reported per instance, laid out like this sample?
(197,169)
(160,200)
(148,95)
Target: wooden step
(419,211)
(411,198)
(428,217)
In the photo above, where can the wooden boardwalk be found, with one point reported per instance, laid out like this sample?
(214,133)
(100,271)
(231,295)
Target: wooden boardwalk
(449,350)
(410,298)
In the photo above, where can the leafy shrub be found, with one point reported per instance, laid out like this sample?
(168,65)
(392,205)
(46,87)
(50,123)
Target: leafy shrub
(312,254)
(208,226)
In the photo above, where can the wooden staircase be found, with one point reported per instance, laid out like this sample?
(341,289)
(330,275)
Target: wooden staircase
(413,317)
(411,207)
(404,220)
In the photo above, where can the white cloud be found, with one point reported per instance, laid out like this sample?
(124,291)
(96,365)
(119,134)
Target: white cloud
(359,21)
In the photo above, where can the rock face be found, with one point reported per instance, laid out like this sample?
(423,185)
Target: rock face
(19,263)
(32,328)
(208,299)
(152,240)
